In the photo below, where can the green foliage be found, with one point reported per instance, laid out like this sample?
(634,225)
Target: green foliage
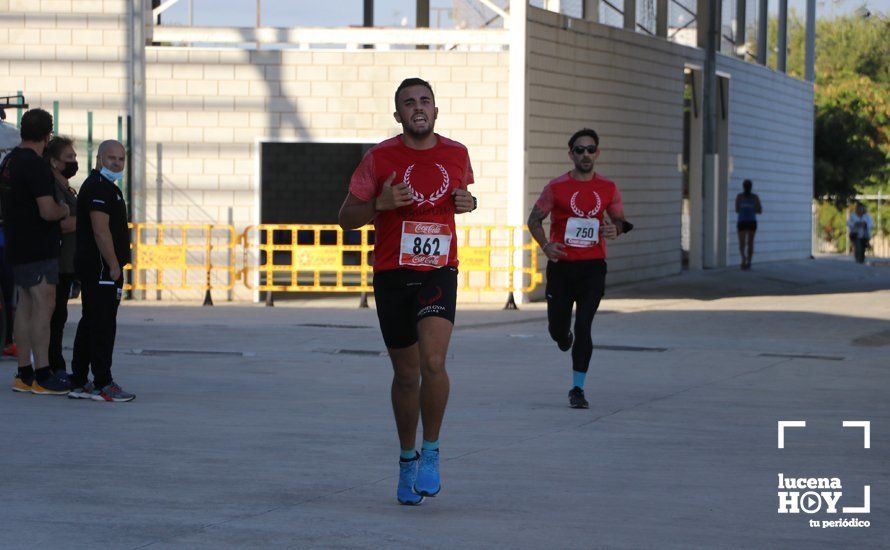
(852,139)
(851,149)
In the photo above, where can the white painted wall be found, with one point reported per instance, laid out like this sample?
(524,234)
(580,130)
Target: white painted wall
(771,143)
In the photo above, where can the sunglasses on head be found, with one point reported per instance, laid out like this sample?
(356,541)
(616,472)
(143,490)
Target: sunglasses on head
(579,149)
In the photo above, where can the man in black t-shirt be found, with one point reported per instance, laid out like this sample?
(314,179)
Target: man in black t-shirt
(103,249)
(31,223)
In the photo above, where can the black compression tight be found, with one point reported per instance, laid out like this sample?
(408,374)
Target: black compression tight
(579,284)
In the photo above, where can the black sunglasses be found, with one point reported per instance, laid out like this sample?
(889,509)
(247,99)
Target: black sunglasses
(579,149)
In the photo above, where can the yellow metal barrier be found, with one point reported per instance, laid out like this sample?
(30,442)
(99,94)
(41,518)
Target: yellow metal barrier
(182,256)
(492,259)
(307,258)
(324,258)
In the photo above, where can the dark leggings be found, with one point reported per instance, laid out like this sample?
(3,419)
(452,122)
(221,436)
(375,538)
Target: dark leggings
(569,283)
(57,323)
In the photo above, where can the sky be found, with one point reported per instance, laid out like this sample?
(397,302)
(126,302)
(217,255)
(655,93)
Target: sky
(311,13)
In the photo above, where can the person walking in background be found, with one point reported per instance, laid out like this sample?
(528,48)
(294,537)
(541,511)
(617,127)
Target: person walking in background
(860,227)
(747,206)
(62,160)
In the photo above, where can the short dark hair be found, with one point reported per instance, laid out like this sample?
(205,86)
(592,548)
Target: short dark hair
(747,184)
(581,133)
(36,125)
(407,83)
(56,146)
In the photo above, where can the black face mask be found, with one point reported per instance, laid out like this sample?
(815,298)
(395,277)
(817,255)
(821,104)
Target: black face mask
(69,170)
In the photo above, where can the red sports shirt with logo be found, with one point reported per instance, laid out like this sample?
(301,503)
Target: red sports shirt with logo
(421,235)
(576,213)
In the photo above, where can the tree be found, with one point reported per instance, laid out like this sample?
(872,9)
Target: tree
(852,139)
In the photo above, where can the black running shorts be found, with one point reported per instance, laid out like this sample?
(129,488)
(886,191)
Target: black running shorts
(746,226)
(405,296)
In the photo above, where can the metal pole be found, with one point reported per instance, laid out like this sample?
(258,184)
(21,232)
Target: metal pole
(55,118)
(368,19)
(90,140)
(159,197)
(661,18)
(762,23)
(782,42)
(630,15)
(258,22)
(423,19)
(591,10)
(229,294)
(708,21)
(810,59)
(741,18)
(21,98)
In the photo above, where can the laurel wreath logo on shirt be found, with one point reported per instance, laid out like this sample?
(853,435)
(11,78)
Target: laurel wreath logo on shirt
(580,213)
(419,197)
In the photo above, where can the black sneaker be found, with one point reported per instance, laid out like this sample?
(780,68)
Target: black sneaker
(576,399)
(566,344)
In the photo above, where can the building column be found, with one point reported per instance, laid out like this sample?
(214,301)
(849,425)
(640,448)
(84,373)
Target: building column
(591,10)
(741,17)
(762,23)
(138,20)
(810,59)
(661,18)
(630,15)
(782,42)
(517,184)
(423,14)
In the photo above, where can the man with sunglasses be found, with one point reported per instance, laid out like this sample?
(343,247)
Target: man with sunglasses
(585,208)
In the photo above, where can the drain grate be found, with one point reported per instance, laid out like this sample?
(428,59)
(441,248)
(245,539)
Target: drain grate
(630,348)
(363,352)
(187,352)
(323,325)
(802,356)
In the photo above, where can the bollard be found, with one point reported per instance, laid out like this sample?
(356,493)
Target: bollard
(269,301)
(363,301)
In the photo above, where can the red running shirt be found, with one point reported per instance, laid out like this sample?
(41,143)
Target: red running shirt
(421,235)
(576,213)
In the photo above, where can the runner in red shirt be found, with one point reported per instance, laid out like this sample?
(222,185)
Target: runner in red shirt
(411,186)
(585,209)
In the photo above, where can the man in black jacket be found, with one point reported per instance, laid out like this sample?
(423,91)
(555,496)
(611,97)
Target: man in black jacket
(103,249)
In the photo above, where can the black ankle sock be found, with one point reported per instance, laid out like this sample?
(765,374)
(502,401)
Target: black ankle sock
(26,372)
(43,373)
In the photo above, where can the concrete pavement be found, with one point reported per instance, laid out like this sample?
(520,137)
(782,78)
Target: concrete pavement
(271,427)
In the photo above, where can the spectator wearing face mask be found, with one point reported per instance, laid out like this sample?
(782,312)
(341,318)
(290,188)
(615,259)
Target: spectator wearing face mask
(103,249)
(62,159)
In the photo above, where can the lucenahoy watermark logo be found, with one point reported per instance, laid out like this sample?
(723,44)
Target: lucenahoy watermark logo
(811,495)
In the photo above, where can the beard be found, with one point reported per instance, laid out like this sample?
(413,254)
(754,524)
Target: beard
(417,133)
(584,167)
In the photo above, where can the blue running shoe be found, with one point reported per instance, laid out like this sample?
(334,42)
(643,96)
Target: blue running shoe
(407,476)
(428,483)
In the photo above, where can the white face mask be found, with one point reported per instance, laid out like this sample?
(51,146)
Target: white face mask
(113,176)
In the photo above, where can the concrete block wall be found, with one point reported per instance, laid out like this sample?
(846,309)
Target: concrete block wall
(629,88)
(211,108)
(771,143)
(75,53)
